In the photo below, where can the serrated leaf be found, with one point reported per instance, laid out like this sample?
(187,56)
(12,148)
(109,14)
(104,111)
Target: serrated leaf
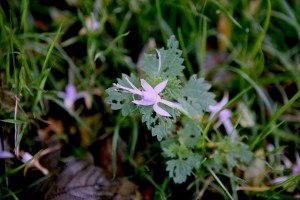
(231,159)
(178,150)
(122,100)
(198,99)
(148,117)
(128,108)
(151,65)
(169,152)
(190,134)
(245,154)
(217,162)
(162,129)
(174,89)
(235,152)
(238,151)
(179,169)
(171,61)
(116,99)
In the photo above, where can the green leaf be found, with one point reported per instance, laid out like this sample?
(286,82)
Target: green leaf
(231,158)
(173,89)
(190,134)
(235,153)
(128,108)
(171,61)
(159,126)
(116,99)
(148,117)
(163,128)
(197,98)
(46,69)
(217,161)
(122,100)
(14,121)
(177,150)
(245,154)
(179,169)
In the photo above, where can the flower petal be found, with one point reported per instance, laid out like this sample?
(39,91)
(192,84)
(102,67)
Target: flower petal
(143,102)
(224,100)
(128,81)
(71,91)
(61,94)
(69,103)
(160,111)
(147,86)
(170,104)
(133,91)
(230,129)
(224,115)
(220,105)
(87,98)
(6,154)
(161,86)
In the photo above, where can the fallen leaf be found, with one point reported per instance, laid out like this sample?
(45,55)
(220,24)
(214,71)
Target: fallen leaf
(81,181)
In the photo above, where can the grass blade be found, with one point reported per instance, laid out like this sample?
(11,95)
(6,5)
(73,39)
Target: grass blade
(186,58)
(112,44)
(134,137)
(259,90)
(115,146)
(45,71)
(219,182)
(257,46)
(267,130)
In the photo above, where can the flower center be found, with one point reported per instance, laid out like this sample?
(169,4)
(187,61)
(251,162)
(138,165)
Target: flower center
(150,97)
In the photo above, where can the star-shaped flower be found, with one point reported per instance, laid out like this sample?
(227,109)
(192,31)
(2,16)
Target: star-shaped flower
(223,116)
(71,96)
(150,96)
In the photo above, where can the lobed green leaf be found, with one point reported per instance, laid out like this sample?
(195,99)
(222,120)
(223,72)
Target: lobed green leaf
(179,169)
(171,61)
(197,98)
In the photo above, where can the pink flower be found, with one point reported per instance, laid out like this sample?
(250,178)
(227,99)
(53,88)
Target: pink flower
(224,117)
(33,163)
(71,96)
(92,24)
(296,168)
(5,154)
(150,96)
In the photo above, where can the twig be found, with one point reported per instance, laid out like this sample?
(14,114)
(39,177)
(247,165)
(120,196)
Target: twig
(205,185)
(16,127)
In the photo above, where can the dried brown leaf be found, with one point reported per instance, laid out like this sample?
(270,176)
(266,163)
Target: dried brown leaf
(79,180)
